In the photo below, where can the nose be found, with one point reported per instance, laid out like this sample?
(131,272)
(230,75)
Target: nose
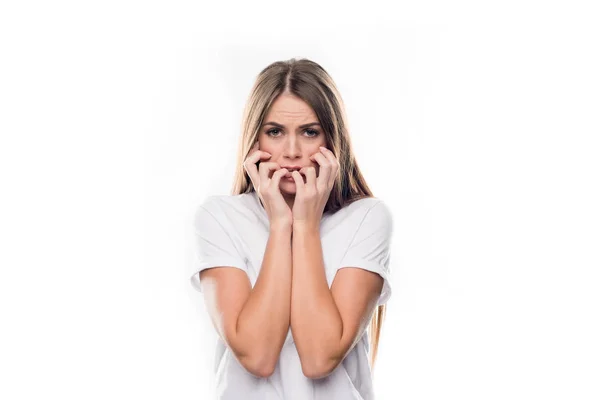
(291,148)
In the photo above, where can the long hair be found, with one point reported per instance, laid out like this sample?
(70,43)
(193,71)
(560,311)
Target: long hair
(309,81)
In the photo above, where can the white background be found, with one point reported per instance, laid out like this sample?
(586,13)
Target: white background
(477,122)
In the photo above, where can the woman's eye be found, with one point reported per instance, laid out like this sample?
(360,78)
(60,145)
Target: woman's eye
(312,132)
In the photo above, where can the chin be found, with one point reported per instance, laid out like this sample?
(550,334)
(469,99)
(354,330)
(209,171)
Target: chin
(287,187)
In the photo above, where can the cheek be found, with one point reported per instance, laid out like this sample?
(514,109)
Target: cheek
(264,145)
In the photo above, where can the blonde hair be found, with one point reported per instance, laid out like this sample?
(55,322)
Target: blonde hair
(309,81)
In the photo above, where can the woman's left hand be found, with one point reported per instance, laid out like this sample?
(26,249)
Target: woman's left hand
(311,197)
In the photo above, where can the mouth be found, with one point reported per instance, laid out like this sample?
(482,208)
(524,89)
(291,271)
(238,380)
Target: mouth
(289,173)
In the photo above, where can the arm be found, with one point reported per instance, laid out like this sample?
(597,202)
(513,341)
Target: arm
(264,320)
(253,321)
(327,324)
(315,320)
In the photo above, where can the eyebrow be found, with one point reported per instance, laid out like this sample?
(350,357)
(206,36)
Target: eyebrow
(281,126)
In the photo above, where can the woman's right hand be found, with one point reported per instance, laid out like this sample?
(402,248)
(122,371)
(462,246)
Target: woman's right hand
(268,188)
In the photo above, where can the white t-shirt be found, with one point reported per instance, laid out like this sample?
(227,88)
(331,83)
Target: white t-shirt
(233,230)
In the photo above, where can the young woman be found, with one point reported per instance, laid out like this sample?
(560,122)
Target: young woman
(295,263)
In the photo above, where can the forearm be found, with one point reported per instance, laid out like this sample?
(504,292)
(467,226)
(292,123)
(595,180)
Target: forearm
(264,320)
(315,319)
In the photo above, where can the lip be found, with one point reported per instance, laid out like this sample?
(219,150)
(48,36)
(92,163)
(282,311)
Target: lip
(290,169)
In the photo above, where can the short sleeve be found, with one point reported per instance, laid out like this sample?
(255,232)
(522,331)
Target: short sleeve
(213,246)
(371,246)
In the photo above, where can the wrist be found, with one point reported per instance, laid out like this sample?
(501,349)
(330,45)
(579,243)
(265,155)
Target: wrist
(280,227)
(306,227)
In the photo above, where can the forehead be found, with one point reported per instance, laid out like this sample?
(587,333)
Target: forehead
(290,108)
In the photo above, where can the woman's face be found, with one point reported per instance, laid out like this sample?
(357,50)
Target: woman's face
(292,134)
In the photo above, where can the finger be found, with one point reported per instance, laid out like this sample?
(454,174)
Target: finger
(252,171)
(264,168)
(330,156)
(333,161)
(299,182)
(250,164)
(255,155)
(277,175)
(324,168)
(311,176)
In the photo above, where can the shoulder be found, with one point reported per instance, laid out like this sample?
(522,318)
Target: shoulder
(367,214)
(222,206)
(373,208)
(373,219)
(210,203)
(208,206)
(379,210)
(221,201)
